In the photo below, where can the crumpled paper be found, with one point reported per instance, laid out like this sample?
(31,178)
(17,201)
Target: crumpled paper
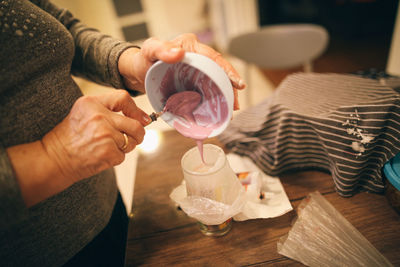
(274,201)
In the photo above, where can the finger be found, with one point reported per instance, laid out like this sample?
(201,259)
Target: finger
(236,105)
(111,142)
(190,43)
(133,128)
(233,75)
(129,143)
(187,41)
(120,100)
(124,142)
(154,49)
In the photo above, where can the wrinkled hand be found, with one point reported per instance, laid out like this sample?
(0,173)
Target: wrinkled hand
(90,138)
(134,63)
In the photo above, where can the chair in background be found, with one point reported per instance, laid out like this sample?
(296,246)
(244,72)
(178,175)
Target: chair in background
(280,47)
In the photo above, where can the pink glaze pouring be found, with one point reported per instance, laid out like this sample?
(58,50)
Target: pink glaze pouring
(195,100)
(183,104)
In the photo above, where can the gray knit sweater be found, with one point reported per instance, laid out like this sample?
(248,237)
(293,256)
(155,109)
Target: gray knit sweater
(41,46)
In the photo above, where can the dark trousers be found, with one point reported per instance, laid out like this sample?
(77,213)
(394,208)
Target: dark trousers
(108,247)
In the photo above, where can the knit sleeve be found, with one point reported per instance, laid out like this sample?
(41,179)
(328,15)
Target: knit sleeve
(12,205)
(96,54)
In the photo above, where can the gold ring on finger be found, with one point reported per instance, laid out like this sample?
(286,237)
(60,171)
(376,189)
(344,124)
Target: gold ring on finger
(126,142)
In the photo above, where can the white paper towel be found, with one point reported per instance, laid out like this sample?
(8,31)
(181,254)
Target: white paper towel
(273,204)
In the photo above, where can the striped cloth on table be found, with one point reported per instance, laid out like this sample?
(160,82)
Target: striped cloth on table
(341,123)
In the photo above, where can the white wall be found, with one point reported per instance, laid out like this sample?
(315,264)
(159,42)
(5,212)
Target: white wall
(232,17)
(165,18)
(169,18)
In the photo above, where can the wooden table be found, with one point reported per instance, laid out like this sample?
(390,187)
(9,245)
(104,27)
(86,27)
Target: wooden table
(162,235)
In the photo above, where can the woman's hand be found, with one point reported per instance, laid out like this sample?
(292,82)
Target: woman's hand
(134,63)
(89,140)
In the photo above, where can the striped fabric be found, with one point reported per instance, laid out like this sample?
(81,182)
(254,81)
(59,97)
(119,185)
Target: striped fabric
(340,123)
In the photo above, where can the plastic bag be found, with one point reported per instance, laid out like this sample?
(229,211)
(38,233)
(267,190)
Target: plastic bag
(211,212)
(321,236)
(208,211)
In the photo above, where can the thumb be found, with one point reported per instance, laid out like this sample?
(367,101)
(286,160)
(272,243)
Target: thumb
(230,71)
(153,49)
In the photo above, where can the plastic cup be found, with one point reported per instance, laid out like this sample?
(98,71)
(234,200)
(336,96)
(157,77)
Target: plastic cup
(391,169)
(214,180)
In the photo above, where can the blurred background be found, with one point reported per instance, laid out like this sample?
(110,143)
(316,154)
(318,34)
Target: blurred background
(360,38)
(360,31)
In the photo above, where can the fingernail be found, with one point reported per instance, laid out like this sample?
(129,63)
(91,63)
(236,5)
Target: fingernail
(174,50)
(235,79)
(146,119)
(241,83)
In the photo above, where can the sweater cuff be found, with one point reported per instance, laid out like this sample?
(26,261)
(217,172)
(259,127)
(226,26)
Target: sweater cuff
(116,79)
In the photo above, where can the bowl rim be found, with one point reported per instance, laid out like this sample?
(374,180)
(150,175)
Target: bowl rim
(209,68)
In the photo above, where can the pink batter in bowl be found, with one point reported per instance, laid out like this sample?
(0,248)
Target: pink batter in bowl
(194,73)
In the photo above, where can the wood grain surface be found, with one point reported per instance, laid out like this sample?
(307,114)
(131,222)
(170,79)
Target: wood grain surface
(160,234)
